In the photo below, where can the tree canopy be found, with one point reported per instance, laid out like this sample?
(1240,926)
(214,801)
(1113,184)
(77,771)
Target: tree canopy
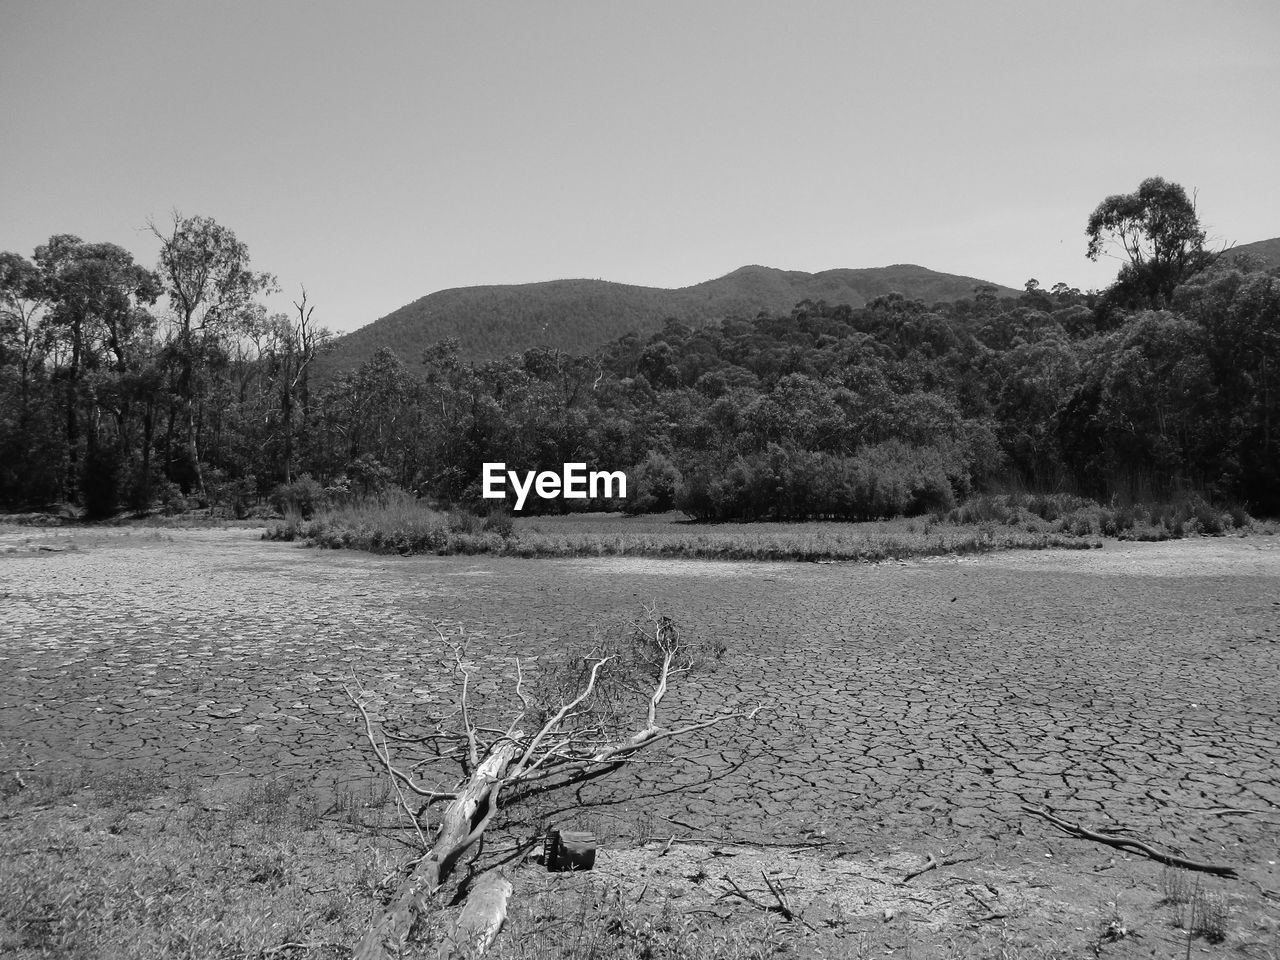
(1157,229)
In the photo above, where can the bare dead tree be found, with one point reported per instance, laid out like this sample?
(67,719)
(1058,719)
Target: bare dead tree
(292,346)
(561,731)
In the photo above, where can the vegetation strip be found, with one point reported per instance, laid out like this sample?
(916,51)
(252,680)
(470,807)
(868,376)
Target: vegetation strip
(127,388)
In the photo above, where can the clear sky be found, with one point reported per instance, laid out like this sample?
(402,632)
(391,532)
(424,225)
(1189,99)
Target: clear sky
(377,152)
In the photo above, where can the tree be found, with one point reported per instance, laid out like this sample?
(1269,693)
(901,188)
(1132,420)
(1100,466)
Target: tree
(291,347)
(1038,378)
(1143,418)
(1240,316)
(1160,234)
(30,439)
(24,302)
(97,321)
(204,270)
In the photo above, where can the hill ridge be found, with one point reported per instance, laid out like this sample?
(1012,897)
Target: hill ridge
(579,315)
(1265,251)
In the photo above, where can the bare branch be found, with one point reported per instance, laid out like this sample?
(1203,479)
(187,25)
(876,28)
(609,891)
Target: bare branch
(384,757)
(1138,845)
(472,750)
(554,723)
(413,818)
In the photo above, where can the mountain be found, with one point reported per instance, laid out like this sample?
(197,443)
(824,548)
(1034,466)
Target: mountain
(1266,251)
(578,316)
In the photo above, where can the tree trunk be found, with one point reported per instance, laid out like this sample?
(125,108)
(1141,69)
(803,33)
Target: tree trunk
(148,429)
(482,915)
(287,415)
(168,442)
(193,454)
(73,417)
(187,390)
(461,826)
(71,482)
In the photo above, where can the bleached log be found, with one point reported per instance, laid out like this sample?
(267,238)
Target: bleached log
(482,915)
(462,824)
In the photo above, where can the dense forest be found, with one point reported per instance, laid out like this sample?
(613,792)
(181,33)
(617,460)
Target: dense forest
(127,387)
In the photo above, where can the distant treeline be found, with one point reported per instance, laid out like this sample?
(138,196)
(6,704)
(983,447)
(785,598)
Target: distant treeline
(894,408)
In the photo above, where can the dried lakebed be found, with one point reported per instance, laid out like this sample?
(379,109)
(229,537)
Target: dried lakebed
(913,705)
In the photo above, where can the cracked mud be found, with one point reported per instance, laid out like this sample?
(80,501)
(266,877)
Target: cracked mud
(913,705)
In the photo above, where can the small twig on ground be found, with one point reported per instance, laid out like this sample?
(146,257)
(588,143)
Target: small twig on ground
(681,823)
(780,895)
(982,903)
(272,951)
(1235,811)
(930,864)
(782,905)
(989,917)
(933,863)
(1124,843)
(738,843)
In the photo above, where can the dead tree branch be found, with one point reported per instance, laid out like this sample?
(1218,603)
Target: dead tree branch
(577,727)
(932,864)
(1123,843)
(781,905)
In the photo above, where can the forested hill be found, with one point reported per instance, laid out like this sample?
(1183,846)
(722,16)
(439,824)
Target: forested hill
(578,316)
(1265,252)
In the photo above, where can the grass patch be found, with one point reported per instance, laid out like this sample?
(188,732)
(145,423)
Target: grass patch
(596,920)
(1187,516)
(126,867)
(812,541)
(123,865)
(401,525)
(1202,913)
(130,865)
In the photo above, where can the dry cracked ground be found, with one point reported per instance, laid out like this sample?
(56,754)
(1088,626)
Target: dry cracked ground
(914,709)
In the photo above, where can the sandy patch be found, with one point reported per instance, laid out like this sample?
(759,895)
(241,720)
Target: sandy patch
(1257,556)
(664,567)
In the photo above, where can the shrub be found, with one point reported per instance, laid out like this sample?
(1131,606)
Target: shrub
(501,522)
(980,509)
(655,481)
(236,495)
(140,490)
(171,498)
(1208,519)
(304,495)
(369,475)
(463,521)
(1239,516)
(338,493)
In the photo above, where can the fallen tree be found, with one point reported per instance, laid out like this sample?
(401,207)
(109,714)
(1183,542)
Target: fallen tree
(563,729)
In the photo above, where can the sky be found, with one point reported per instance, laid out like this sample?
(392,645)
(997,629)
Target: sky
(376,152)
